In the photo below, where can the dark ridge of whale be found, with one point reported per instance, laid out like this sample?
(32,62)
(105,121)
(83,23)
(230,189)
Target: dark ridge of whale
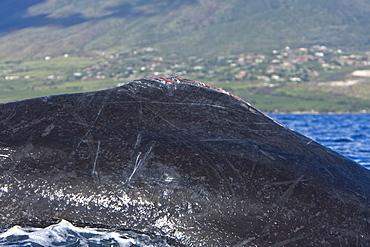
(177,159)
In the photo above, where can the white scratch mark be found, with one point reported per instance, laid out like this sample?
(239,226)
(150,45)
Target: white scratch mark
(94,172)
(265,153)
(89,130)
(244,242)
(138,140)
(139,162)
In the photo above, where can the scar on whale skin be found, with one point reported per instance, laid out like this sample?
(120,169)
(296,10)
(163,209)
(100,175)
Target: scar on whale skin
(180,160)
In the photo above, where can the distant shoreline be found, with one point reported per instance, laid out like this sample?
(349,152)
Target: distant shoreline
(317,113)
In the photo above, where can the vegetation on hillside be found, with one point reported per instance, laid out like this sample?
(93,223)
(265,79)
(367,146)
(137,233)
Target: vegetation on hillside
(273,53)
(316,78)
(205,28)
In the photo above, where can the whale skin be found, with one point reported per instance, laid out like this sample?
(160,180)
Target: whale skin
(178,159)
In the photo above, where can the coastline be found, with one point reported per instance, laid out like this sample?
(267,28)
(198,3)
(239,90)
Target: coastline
(318,113)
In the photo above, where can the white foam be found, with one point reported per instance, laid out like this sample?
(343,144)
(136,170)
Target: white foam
(65,234)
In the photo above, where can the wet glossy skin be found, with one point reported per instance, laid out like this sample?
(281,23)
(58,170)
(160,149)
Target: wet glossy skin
(179,159)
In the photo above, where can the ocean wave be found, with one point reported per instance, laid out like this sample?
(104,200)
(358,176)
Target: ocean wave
(65,234)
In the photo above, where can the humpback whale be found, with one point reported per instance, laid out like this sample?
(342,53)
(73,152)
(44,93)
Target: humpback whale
(178,159)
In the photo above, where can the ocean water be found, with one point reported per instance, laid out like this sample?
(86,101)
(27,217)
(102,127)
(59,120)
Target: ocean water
(348,134)
(65,234)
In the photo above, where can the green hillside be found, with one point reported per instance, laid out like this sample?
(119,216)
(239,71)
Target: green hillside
(313,79)
(280,55)
(36,28)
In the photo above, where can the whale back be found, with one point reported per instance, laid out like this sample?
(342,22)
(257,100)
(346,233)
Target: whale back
(179,159)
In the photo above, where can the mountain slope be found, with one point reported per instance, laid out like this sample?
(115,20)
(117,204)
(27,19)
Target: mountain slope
(35,28)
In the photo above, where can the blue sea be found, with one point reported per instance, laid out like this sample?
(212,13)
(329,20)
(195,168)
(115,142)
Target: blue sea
(348,134)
